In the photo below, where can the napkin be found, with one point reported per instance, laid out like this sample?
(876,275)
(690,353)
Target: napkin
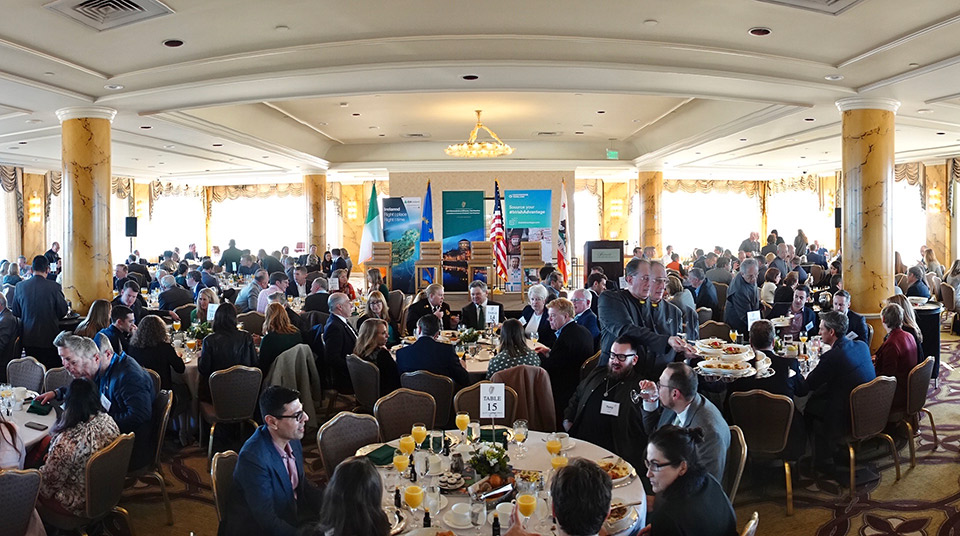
(39,409)
(438,444)
(383,455)
(489,435)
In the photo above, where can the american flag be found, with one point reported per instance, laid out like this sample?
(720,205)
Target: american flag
(497,234)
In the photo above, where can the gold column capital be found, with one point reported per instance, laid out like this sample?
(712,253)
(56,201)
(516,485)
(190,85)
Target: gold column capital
(86,112)
(868,103)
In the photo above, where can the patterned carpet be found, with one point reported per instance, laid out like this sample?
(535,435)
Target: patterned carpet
(926,500)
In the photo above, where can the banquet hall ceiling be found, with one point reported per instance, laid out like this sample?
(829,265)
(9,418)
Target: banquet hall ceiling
(287,86)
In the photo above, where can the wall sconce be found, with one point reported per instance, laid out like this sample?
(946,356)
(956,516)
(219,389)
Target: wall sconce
(138,208)
(616,208)
(35,208)
(934,200)
(351,210)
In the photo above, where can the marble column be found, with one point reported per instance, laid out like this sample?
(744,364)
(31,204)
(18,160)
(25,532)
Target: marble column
(867,241)
(938,217)
(85,139)
(315,194)
(651,190)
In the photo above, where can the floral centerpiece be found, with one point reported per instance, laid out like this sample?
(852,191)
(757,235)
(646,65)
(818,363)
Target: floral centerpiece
(471,335)
(199,331)
(489,459)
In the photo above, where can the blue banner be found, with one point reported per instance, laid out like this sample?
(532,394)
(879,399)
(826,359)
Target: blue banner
(401,226)
(528,219)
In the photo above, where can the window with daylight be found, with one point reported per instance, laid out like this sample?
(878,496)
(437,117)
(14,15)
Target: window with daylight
(259,222)
(909,227)
(587,222)
(697,220)
(800,209)
(183,213)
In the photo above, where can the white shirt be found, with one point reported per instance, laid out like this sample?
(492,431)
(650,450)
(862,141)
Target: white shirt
(302,290)
(533,325)
(652,406)
(264,298)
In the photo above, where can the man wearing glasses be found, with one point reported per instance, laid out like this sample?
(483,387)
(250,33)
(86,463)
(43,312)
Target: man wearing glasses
(270,493)
(603,411)
(585,317)
(664,318)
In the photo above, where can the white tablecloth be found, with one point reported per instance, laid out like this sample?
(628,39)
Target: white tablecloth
(537,458)
(29,435)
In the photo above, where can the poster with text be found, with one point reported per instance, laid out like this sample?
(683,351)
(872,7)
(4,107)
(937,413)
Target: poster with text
(401,226)
(527,214)
(463,223)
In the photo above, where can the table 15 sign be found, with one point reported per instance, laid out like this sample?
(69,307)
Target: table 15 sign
(492,401)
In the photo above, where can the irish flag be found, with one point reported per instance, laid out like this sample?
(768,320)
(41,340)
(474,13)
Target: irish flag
(372,229)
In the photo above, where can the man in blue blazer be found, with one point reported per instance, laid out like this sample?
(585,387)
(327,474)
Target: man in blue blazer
(703,290)
(856,324)
(270,493)
(431,355)
(581,305)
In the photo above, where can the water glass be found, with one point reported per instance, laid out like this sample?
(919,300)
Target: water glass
(436,441)
(474,431)
(478,513)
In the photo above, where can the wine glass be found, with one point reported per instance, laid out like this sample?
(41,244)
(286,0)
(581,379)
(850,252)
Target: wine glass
(463,421)
(554,446)
(176,325)
(803,340)
(474,431)
(526,501)
(535,336)
(407,444)
(419,433)
(478,513)
(413,496)
(401,461)
(559,460)
(520,431)
(460,350)
(733,335)
(474,349)
(436,441)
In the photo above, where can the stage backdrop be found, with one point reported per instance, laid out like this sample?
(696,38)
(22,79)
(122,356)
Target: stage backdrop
(528,218)
(401,225)
(463,223)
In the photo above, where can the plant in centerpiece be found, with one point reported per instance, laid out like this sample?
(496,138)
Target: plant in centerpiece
(471,335)
(199,331)
(489,459)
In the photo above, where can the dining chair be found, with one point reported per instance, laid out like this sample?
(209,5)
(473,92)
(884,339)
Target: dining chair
(918,385)
(183,313)
(587,367)
(948,299)
(721,300)
(56,378)
(869,412)
(340,437)
(26,372)
(765,420)
(468,399)
(234,392)
(252,322)
(712,328)
(534,395)
(441,388)
(395,305)
(155,378)
(750,529)
(816,275)
(162,405)
(221,476)
(106,473)
(365,377)
(704,314)
(18,495)
(736,461)
(398,411)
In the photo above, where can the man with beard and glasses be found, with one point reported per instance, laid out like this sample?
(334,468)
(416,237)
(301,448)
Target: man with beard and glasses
(602,410)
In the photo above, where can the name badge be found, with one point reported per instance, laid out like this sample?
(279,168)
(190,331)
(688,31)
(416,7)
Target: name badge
(610,408)
(809,326)
(851,335)
(105,403)
(523,321)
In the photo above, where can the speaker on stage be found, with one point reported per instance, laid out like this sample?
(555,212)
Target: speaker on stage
(132,226)
(837,222)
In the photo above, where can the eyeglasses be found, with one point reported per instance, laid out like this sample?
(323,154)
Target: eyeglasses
(299,416)
(656,466)
(621,357)
(667,385)
(578,299)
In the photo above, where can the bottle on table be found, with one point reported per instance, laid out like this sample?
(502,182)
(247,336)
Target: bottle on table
(496,525)
(426,517)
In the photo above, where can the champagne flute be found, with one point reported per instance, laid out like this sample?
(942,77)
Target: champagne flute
(520,435)
(526,501)
(460,351)
(733,335)
(400,461)
(176,325)
(419,433)
(463,421)
(803,340)
(535,336)
(413,496)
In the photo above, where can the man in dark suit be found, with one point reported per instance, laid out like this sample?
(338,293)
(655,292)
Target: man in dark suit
(39,304)
(209,277)
(916,284)
(120,276)
(130,297)
(842,368)
(230,259)
(804,318)
(771,246)
(339,338)
(622,313)
(120,328)
(298,287)
(432,304)
(336,262)
(856,324)
(585,316)
(271,494)
(317,299)
(195,282)
(172,295)
(53,254)
(474,314)
(133,265)
(431,355)
(742,296)
(596,284)
(562,361)
(270,263)
(814,257)
(310,260)
(9,329)
(703,290)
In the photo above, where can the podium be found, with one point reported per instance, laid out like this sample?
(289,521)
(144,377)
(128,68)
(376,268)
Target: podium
(531,258)
(382,260)
(481,258)
(431,258)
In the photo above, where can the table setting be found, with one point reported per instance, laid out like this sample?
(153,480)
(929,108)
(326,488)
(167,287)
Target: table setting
(18,405)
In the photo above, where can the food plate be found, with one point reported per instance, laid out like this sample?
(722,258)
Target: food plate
(728,352)
(766,373)
(528,475)
(621,473)
(450,481)
(917,300)
(621,518)
(781,321)
(762,364)
(724,368)
(712,343)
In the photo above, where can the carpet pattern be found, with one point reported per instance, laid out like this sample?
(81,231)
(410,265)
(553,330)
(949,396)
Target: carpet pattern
(925,502)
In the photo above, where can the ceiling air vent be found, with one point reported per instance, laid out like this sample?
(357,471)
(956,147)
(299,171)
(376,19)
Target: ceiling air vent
(415,135)
(547,134)
(828,7)
(106,14)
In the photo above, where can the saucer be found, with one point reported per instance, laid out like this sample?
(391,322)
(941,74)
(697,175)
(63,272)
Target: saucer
(448,520)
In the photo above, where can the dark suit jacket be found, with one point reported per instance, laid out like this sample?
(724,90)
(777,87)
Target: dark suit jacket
(741,297)
(573,347)
(622,314)
(811,322)
(338,264)
(338,342)
(261,501)
(423,307)
(174,297)
(9,329)
(589,320)
(713,515)
(317,302)
(783,294)
(919,289)
(816,258)
(846,365)
(700,414)
(230,259)
(39,304)
(468,315)
(433,356)
(271,264)
(706,295)
(547,336)
(594,302)
(665,319)
(857,324)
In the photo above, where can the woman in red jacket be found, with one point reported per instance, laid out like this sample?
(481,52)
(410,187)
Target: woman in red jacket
(898,353)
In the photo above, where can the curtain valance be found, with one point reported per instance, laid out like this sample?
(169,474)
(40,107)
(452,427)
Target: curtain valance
(222,193)
(912,172)
(751,188)
(54,180)
(11,180)
(122,187)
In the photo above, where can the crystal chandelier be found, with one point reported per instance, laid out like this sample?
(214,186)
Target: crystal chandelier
(474,149)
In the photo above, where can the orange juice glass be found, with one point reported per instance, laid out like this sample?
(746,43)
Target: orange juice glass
(419,433)
(407,444)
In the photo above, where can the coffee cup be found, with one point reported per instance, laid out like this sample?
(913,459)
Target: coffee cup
(460,513)
(19,393)
(505,510)
(564,439)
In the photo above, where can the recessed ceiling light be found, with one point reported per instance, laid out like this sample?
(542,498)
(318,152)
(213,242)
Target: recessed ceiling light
(173,43)
(470,77)
(150,167)
(14,148)
(941,133)
(218,145)
(344,104)
(809,119)
(924,111)
(381,135)
(322,123)
(579,133)
(169,146)
(161,163)
(264,156)
(355,115)
(834,77)
(373,128)
(651,22)
(698,152)
(611,139)
(601,111)
(790,140)
(588,125)
(759,31)
(759,165)
(282,28)
(22,142)
(802,157)
(145,127)
(913,65)
(33,121)
(49,73)
(113,87)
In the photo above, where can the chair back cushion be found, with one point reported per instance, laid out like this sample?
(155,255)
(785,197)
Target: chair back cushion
(587,367)
(440,388)
(340,437)
(234,392)
(948,297)
(870,406)
(313,318)
(736,460)
(183,312)
(704,314)
(221,473)
(252,322)
(106,473)
(365,377)
(721,300)
(26,372)
(534,395)
(18,494)
(56,377)
(155,377)
(399,410)
(395,305)
(712,328)
(764,418)
(162,405)
(918,383)
(468,399)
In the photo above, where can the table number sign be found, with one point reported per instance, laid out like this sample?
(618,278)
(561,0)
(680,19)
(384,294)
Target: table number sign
(211,311)
(493,315)
(334,284)
(492,405)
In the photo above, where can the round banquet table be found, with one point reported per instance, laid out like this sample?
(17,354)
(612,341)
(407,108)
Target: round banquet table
(476,366)
(537,458)
(29,435)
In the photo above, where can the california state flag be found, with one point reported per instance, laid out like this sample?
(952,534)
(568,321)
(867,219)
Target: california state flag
(563,262)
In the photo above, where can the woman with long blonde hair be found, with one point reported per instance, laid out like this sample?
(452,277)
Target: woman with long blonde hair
(909,321)
(376,308)
(204,299)
(372,346)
